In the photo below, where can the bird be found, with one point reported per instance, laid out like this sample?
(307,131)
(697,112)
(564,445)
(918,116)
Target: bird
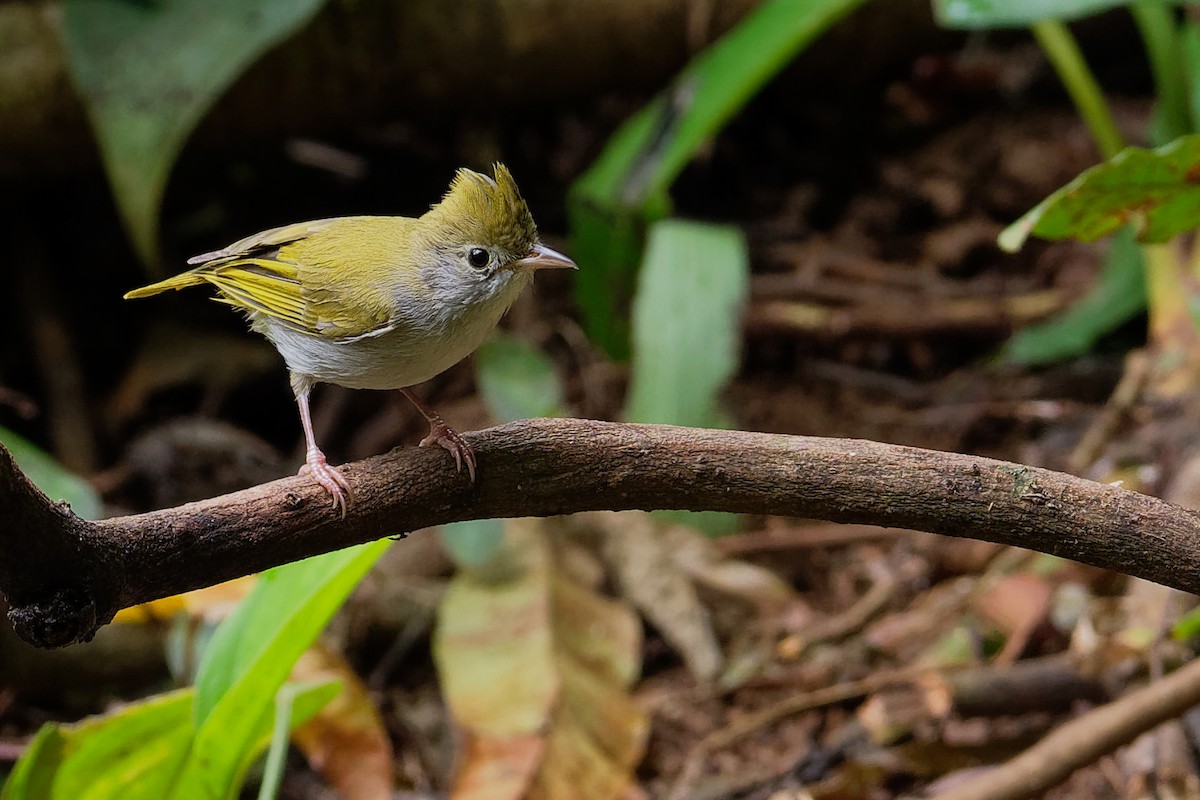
(381,302)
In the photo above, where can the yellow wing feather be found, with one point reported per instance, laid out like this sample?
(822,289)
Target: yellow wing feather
(326,278)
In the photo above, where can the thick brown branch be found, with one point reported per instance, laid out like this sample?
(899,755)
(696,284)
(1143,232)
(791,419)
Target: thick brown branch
(64,577)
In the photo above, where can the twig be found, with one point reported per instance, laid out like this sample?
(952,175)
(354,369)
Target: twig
(64,576)
(840,625)
(806,701)
(1085,739)
(1134,381)
(741,545)
(974,314)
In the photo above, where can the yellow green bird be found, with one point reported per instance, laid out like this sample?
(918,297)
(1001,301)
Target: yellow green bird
(381,302)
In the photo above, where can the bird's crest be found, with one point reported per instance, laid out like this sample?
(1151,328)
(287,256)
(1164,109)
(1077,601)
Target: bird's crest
(488,210)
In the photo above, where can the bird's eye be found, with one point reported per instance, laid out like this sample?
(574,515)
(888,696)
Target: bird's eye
(478,257)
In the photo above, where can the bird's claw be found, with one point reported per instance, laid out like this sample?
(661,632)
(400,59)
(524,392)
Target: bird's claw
(443,435)
(333,481)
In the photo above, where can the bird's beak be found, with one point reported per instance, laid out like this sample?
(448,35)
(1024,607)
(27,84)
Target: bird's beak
(544,257)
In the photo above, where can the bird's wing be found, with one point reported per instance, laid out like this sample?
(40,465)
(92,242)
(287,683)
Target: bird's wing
(286,273)
(260,285)
(266,241)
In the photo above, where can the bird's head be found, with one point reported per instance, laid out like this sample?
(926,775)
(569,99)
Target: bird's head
(482,230)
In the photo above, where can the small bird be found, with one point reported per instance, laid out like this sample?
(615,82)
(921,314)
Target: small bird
(381,302)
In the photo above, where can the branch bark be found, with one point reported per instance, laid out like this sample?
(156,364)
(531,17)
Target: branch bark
(64,577)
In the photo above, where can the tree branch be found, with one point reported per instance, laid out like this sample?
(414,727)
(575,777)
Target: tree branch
(64,577)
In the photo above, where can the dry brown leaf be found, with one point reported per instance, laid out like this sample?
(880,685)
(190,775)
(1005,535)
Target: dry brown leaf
(651,578)
(498,767)
(536,669)
(699,556)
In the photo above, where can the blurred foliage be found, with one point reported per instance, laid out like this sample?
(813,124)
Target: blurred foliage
(148,72)
(472,542)
(254,650)
(200,743)
(612,204)
(1118,296)
(136,752)
(347,742)
(517,380)
(687,323)
(56,481)
(983,14)
(1156,192)
(1150,190)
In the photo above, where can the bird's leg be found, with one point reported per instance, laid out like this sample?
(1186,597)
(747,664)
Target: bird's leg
(314,460)
(443,435)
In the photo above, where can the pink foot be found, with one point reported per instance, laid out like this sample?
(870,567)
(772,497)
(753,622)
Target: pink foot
(443,435)
(337,486)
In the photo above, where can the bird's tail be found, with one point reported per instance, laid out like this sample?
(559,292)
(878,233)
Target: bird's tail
(181,281)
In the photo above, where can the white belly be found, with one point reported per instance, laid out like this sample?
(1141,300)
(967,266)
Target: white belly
(401,357)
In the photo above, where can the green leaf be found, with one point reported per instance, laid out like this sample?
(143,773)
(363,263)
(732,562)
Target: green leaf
(53,478)
(32,777)
(472,543)
(148,72)
(1157,192)
(1118,296)
(1190,45)
(625,190)
(608,241)
(687,323)
(295,704)
(975,14)
(131,754)
(135,752)
(1187,627)
(517,381)
(252,653)
(687,333)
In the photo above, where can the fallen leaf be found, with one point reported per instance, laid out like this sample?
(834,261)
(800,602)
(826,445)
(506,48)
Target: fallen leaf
(536,669)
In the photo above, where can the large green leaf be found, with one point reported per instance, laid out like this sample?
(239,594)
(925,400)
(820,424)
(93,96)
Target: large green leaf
(626,188)
(148,72)
(1157,192)
(974,14)
(53,478)
(33,774)
(1118,296)
(687,323)
(252,654)
(135,752)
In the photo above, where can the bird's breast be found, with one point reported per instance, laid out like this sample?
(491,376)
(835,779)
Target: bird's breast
(419,346)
